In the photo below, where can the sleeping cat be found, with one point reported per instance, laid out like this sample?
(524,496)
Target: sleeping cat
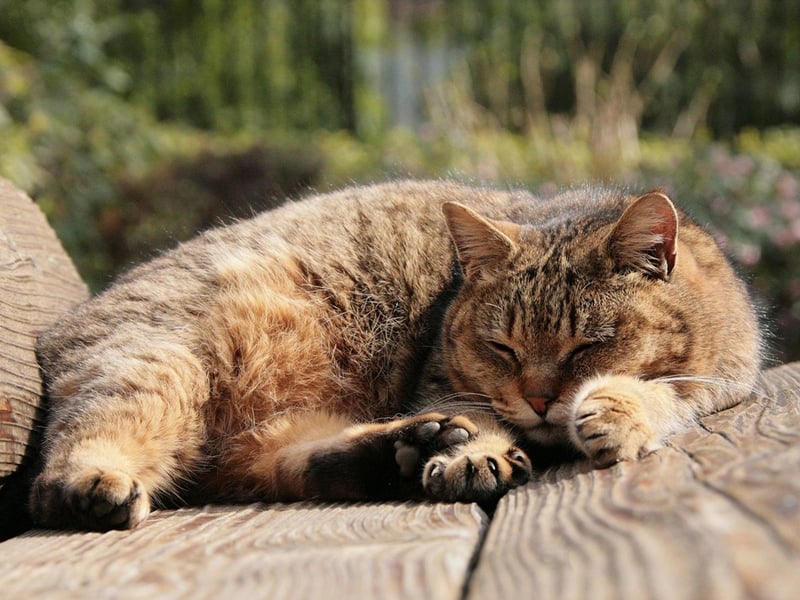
(392,341)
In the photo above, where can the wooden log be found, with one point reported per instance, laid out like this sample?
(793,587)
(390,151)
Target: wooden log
(38,282)
(716,514)
(298,551)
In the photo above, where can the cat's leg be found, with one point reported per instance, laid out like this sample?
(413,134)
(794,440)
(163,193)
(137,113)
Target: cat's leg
(319,455)
(617,417)
(124,428)
(480,470)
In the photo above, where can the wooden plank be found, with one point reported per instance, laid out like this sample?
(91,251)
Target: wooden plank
(714,515)
(38,282)
(282,551)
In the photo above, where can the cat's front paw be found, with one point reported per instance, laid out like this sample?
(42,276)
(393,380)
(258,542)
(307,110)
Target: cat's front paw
(610,424)
(427,434)
(95,499)
(475,473)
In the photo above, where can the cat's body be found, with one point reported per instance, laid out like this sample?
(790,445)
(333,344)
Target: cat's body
(271,359)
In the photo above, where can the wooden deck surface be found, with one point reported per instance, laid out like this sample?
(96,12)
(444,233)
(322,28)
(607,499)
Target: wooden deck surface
(716,514)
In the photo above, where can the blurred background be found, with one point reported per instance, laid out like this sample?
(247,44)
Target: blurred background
(135,123)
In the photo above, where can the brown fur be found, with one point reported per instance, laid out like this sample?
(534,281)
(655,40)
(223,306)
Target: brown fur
(274,359)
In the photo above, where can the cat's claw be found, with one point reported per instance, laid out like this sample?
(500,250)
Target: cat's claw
(474,475)
(612,429)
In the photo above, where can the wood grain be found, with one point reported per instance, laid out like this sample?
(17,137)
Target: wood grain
(714,515)
(38,282)
(293,551)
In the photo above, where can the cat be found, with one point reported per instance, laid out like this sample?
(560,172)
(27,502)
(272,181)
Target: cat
(394,341)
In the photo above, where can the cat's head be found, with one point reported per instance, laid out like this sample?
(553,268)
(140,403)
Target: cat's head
(543,309)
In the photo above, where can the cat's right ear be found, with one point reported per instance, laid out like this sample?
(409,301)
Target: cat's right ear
(646,236)
(481,244)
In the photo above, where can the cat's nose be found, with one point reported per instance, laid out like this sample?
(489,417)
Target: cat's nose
(539,404)
(540,389)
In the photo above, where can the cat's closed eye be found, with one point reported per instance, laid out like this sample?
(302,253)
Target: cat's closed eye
(504,351)
(580,351)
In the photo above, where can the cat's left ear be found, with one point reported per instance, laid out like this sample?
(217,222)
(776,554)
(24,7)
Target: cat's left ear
(646,236)
(481,243)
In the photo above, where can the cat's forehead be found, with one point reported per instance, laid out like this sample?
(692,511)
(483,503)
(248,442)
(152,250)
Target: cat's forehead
(562,252)
(554,296)
(533,301)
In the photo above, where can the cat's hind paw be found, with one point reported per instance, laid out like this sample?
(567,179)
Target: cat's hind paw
(427,434)
(98,500)
(475,474)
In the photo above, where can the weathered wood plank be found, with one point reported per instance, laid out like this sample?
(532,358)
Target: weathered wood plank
(294,551)
(714,515)
(38,282)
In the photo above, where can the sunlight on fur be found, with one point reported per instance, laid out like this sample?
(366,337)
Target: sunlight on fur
(407,340)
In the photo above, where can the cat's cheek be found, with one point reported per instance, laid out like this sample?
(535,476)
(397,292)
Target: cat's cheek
(507,399)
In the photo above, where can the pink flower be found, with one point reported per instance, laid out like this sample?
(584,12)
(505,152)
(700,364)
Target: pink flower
(759,217)
(782,238)
(740,165)
(787,187)
(790,209)
(749,254)
(720,205)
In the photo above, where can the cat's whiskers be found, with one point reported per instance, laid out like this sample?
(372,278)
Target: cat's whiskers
(723,386)
(459,402)
(715,383)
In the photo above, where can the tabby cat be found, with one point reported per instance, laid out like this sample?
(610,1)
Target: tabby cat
(392,341)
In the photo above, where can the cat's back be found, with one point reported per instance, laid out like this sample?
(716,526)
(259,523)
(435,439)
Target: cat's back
(374,216)
(374,240)
(386,240)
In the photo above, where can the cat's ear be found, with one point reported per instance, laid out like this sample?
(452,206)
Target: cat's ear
(646,236)
(481,243)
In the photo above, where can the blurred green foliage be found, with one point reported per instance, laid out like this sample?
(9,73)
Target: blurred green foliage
(135,123)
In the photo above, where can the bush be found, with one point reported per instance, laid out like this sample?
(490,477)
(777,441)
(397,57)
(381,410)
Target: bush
(191,194)
(751,201)
(113,181)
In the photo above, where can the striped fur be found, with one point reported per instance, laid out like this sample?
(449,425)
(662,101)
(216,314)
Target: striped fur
(271,359)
